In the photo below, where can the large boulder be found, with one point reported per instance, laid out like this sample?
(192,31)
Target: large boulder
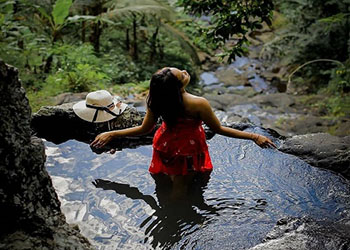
(321,150)
(30,210)
(59,124)
(305,234)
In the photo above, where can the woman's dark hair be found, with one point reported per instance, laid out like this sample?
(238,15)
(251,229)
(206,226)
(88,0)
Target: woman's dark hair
(165,97)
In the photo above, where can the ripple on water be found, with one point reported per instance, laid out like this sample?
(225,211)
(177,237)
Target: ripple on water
(249,190)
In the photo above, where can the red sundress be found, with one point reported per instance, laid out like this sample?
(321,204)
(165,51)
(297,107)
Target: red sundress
(181,149)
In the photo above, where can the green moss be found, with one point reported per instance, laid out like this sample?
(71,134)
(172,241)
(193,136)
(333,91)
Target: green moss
(279,20)
(280,121)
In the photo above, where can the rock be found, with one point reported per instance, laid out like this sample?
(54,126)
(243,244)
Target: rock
(279,84)
(276,69)
(304,124)
(242,91)
(341,128)
(306,234)
(278,100)
(70,97)
(222,102)
(59,124)
(228,76)
(209,78)
(30,210)
(321,150)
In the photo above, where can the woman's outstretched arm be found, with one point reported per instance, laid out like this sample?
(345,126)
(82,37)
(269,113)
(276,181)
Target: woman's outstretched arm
(146,127)
(207,115)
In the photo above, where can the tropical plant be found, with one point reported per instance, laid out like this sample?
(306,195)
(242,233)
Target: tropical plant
(57,19)
(230,20)
(19,45)
(316,42)
(316,29)
(136,18)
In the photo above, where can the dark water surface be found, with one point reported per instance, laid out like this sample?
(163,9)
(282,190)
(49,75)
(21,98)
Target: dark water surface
(249,190)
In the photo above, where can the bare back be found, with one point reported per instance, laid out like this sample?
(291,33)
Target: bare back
(192,105)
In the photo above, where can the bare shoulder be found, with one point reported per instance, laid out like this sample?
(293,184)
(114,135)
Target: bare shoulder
(196,105)
(198,100)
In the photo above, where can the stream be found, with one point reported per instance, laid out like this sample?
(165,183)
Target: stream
(117,205)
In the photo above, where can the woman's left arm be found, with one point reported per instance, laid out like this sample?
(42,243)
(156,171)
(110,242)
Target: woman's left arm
(146,127)
(207,115)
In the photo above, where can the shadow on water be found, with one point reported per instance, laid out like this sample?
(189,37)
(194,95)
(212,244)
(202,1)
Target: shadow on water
(181,208)
(249,190)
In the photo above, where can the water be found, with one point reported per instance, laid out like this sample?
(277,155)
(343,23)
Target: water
(249,190)
(208,78)
(241,65)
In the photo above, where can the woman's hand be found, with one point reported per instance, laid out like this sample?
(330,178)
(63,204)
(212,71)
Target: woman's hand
(102,139)
(263,141)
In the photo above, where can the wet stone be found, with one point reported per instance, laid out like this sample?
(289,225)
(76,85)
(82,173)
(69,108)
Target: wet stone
(305,234)
(31,217)
(321,150)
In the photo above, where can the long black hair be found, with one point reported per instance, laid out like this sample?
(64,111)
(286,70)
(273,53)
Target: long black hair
(165,98)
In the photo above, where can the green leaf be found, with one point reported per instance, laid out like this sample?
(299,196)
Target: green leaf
(35,60)
(44,13)
(7,7)
(338,18)
(60,11)
(2,18)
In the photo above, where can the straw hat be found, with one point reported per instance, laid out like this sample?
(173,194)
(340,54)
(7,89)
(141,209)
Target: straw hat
(99,106)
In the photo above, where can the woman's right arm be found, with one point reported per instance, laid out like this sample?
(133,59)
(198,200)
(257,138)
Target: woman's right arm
(209,118)
(146,127)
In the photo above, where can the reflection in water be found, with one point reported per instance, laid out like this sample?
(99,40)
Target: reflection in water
(181,208)
(249,191)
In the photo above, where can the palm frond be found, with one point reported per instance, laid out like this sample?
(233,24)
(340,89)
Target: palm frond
(183,40)
(126,3)
(151,11)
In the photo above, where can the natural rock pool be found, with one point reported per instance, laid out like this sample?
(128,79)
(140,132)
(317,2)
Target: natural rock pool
(116,203)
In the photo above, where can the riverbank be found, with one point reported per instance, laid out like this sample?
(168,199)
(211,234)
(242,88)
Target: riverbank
(253,190)
(255,89)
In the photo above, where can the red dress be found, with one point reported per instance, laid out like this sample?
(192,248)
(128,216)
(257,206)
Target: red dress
(181,149)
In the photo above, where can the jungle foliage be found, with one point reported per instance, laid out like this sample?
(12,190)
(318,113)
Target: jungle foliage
(230,21)
(62,45)
(316,31)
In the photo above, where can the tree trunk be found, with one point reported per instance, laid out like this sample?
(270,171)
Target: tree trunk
(49,60)
(154,45)
(127,41)
(83,29)
(48,64)
(95,36)
(161,50)
(134,26)
(83,26)
(96,28)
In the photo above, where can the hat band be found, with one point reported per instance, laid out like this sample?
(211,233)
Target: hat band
(99,108)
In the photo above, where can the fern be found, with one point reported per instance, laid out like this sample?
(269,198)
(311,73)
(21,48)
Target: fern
(150,11)
(183,40)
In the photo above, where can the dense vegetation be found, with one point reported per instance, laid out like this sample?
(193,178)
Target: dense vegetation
(313,38)
(61,46)
(82,45)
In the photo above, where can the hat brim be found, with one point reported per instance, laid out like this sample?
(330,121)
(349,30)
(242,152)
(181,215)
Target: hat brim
(87,114)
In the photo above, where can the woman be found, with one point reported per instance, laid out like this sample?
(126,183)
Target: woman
(179,146)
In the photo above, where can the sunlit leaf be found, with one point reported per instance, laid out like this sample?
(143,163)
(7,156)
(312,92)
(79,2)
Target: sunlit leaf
(2,18)
(78,18)
(60,11)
